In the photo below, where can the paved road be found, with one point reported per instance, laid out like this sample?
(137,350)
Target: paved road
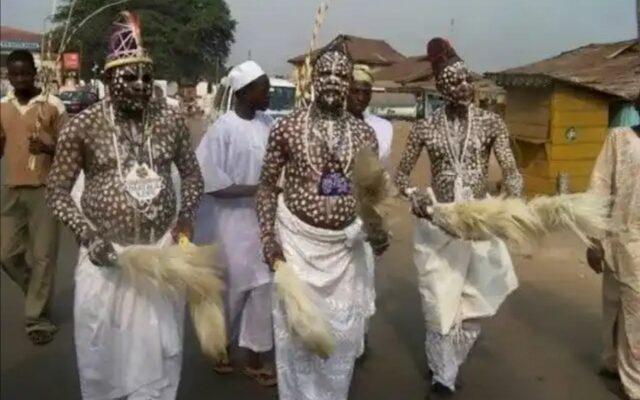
(543,345)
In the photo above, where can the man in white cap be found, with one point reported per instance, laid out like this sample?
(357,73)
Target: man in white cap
(230,156)
(357,103)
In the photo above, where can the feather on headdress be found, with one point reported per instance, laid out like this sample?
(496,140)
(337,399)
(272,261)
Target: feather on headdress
(440,53)
(125,42)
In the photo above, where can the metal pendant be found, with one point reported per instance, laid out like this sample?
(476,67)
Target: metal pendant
(143,183)
(461,192)
(334,184)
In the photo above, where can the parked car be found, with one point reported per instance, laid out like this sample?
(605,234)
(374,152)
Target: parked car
(76,101)
(393,105)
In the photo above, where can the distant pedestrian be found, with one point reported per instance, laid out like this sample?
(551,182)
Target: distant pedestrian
(360,95)
(29,126)
(358,102)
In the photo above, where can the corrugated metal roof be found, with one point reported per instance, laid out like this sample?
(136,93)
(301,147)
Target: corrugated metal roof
(609,68)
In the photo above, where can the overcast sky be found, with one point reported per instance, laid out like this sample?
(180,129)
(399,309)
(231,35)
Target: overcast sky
(489,34)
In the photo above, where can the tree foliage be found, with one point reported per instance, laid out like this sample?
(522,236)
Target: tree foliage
(187,39)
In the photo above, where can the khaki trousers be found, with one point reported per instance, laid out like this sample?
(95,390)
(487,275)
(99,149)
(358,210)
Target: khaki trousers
(621,315)
(28,249)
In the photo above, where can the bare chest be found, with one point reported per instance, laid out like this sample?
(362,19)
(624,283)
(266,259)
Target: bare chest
(325,149)
(452,145)
(109,148)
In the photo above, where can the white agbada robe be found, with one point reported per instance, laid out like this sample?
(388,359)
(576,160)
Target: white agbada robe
(384,134)
(617,173)
(231,153)
(333,265)
(128,340)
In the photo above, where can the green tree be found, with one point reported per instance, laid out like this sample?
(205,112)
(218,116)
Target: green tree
(187,39)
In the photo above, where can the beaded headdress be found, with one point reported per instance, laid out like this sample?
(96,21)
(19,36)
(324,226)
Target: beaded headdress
(125,42)
(441,54)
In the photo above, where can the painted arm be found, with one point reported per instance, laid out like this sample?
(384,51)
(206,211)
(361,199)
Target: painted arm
(409,158)
(512,180)
(420,201)
(191,185)
(67,164)
(377,236)
(372,139)
(275,159)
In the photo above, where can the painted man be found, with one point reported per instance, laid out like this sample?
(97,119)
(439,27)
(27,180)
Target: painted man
(30,123)
(128,340)
(313,226)
(231,155)
(618,259)
(358,102)
(458,138)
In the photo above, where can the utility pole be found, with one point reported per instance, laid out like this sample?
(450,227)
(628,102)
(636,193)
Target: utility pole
(638,17)
(452,34)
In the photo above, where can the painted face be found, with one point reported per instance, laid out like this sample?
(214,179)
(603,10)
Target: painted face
(131,86)
(456,84)
(331,79)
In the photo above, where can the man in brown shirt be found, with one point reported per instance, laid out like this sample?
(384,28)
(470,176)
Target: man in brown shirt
(29,125)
